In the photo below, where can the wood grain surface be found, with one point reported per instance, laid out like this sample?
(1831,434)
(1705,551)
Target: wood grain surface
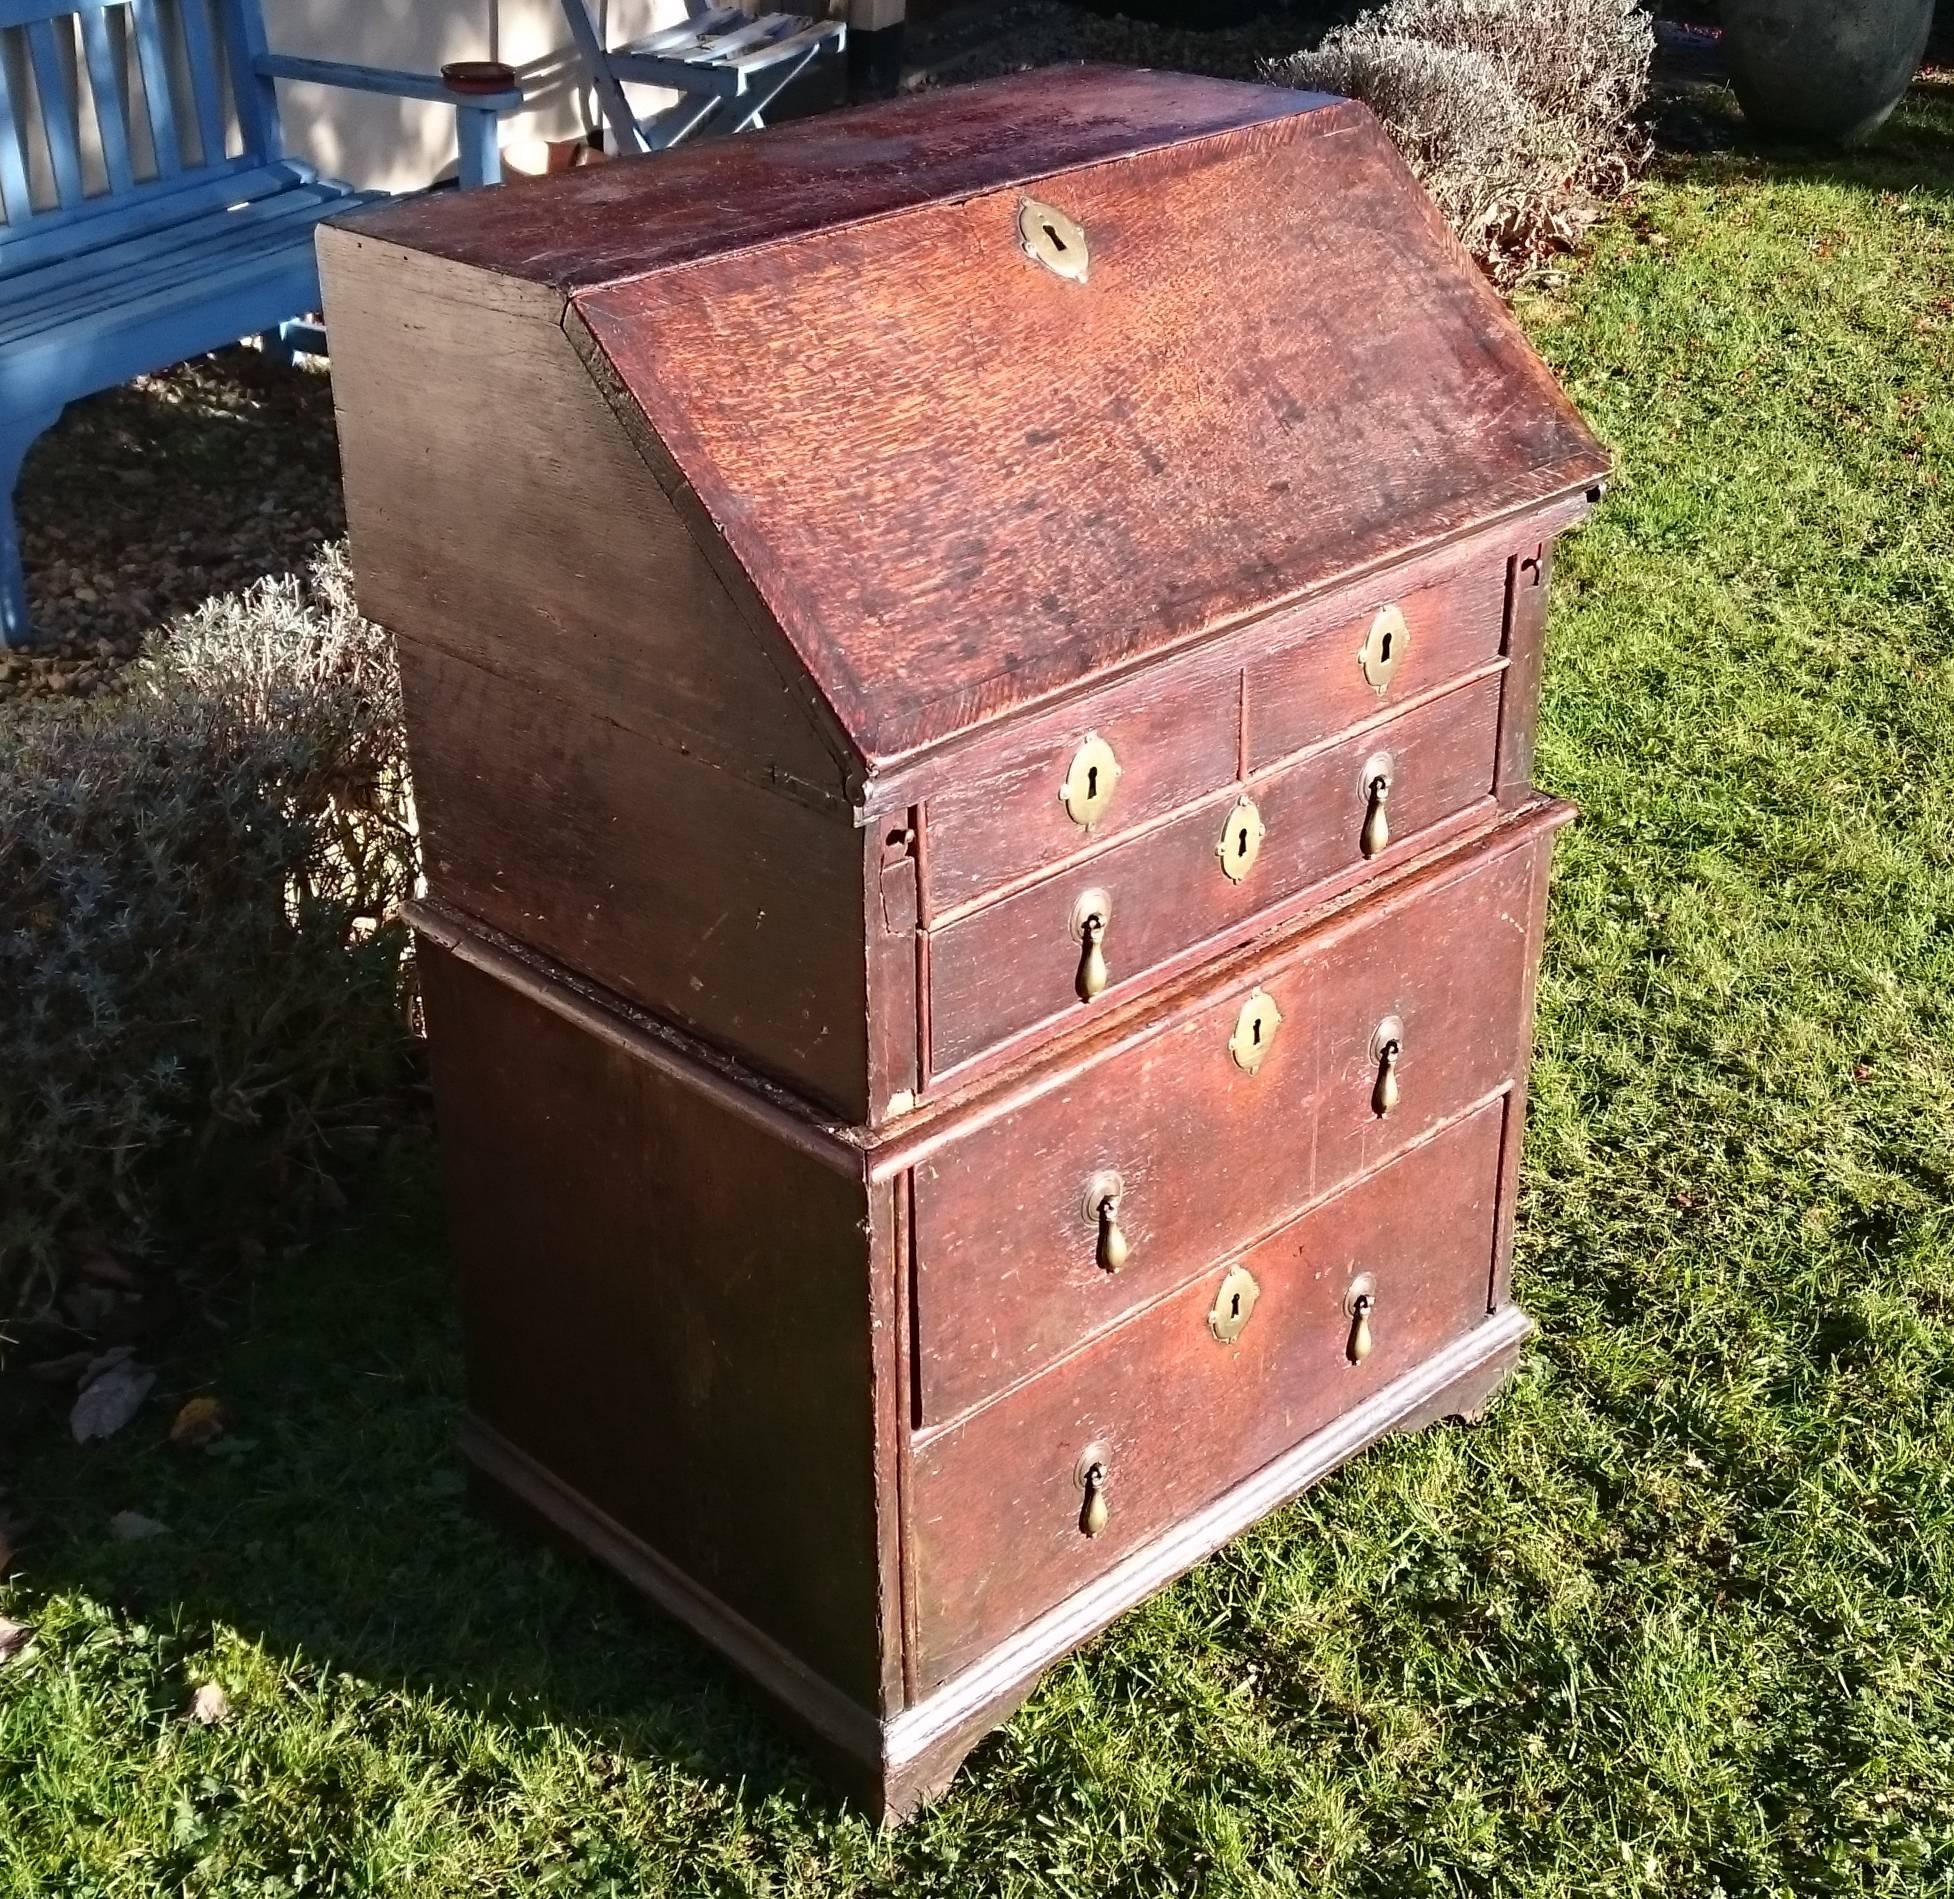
(669,1310)
(1007,1274)
(1012,966)
(1181,1417)
(961,483)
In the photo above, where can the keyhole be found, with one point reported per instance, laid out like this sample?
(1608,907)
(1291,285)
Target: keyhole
(1051,231)
(1235,1305)
(1241,842)
(1384,646)
(1092,781)
(1255,1031)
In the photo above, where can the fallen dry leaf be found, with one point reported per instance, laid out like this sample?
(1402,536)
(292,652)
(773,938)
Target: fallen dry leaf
(14,1636)
(208,1706)
(102,1266)
(110,1399)
(199,1420)
(131,1526)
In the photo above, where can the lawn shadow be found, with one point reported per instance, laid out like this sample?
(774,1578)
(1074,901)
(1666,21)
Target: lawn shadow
(332,1523)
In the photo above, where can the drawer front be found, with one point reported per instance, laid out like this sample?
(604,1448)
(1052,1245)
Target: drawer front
(1205,1154)
(1015,965)
(1400,648)
(1175,1416)
(1161,749)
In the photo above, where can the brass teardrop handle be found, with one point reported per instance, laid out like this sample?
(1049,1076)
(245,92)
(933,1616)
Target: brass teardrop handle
(1384,1097)
(1104,1193)
(1360,1327)
(1092,1514)
(1360,1301)
(1090,916)
(1377,822)
(1113,1249)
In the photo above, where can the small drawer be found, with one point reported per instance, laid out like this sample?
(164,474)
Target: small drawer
(1118,762)
(1399,648)
(1198,1392)
(1260,1095)
(1024,962)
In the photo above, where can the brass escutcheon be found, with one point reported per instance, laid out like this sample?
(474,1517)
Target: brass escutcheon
(1383,647)
(1090,917)
(1051,238)
(1234,1304)
(1240,843)
(1255,1030)
(1089,781)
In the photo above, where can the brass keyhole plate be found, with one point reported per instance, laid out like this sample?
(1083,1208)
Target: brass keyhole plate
(1089,781)
(1051,238)
(1255,1031)
(1383,647)
(1240,843)
(1234,1305)
(1390,1030)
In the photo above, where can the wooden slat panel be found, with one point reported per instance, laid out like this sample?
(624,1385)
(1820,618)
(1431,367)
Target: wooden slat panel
(201,55)
(57,111)
(68,291)
(153,55)
(14,192)
(111,99)
(26,12)
(159,204)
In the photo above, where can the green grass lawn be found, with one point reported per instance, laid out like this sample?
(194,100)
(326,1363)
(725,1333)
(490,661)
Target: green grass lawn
(1677,1619)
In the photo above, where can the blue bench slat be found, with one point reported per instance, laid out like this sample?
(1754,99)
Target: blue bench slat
(153,56)
(111,100)
(201,57)
(57,112)
(97,259)
(156,206)
(26,12)
(73,288)
(170,327)
(14,193)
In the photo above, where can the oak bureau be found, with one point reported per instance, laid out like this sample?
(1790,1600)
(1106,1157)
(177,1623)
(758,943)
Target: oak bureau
(971,671)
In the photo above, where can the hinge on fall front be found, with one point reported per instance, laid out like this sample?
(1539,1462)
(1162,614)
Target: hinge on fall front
(900,902)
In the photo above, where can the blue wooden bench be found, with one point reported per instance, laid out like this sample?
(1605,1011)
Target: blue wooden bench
(150,211)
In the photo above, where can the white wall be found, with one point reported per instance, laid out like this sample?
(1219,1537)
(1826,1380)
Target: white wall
(401,144)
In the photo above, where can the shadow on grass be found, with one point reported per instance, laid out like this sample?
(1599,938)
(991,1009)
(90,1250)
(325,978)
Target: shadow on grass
(333,1525)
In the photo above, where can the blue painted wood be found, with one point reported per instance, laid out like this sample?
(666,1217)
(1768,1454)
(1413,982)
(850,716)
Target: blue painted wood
(17,435)
(57,112)
(111,100)
(255,93)
(14,195)
(159,105)
(200,56)
(156,206)
(401,85)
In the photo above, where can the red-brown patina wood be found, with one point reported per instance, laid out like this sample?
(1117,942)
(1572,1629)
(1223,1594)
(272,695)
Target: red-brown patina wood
(823,526)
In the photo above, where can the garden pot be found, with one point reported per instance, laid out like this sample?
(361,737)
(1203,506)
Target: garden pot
(1823,69)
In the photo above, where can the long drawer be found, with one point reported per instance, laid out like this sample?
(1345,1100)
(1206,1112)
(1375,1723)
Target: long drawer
(1255,1097)
(1369,799)
(1031,1497)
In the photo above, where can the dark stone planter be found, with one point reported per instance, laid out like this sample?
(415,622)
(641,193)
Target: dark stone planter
(1823,69)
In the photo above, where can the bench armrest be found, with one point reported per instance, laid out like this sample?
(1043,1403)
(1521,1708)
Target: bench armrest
(473,90)
(399,85)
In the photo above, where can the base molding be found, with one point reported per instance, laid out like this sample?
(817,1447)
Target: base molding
(894,1766)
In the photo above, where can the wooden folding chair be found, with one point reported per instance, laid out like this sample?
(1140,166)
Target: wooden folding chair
(731,65)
